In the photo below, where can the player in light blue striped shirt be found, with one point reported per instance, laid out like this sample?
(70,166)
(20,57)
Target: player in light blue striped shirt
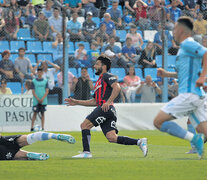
(191,58)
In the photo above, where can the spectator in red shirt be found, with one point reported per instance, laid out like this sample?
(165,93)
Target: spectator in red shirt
(140,9)
(11,25)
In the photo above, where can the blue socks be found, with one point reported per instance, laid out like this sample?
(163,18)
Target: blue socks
(192,130)
(40,136)
(173,129)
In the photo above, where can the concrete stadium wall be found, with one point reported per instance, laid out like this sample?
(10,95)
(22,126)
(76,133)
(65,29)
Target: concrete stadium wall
(63,118)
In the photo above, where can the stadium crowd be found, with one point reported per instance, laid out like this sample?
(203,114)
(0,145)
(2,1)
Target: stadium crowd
(31,35)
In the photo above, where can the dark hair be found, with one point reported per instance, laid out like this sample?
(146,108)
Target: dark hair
(3,80)
(28,82)
(84,68)
(56,8)
(105,61)
(21,48)
(131,66)
(81,45)
(5,53)
(186,21)
(39,68)
(128,39)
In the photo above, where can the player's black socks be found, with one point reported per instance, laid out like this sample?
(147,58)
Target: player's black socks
(86,137)
(126,140)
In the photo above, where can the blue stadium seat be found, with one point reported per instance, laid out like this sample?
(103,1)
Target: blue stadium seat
(47,47)
(13,57)
(121,34)
(15,87)
(140,32)
(4,45)
(32,59)
(24,34)
(170,58)
(45,57)
(86,44)
(171,61)
(119,72)
(15,45)
(74,71)
(97,21)
(138,72)
(158,60)
(34,47)
(71,48)
(152,72)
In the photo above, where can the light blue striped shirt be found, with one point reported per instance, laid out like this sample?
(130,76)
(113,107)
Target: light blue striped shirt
(189,65)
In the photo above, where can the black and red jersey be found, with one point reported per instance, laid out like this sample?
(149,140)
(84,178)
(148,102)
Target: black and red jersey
(103,89)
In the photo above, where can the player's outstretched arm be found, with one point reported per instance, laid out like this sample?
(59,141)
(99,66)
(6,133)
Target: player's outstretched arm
(72,102)
(163,73)
(202,79)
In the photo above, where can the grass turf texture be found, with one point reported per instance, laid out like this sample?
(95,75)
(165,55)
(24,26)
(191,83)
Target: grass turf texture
(166,160)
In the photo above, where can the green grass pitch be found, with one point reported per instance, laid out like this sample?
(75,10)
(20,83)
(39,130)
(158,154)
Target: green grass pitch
(166,160)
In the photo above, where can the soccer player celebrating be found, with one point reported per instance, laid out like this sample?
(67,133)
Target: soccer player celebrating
(10,145)
(106,90)
(191,58)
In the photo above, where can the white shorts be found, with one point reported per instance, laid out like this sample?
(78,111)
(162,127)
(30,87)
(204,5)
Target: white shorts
(188,104)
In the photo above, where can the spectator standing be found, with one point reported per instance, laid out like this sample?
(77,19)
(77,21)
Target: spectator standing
(115,14)
(147,58)
(89,28)
(23,66)
(55,22)
(22,3)
(74,29)
(132,82)
(102,6)
(140,8)
(11,25)
(71,79)
(40,92)
(137,41)
(114,52)
(3,88)
(41,28)
(48,10)
(49,74)
(129,52)
(148,90)
(173,13)
(83,85)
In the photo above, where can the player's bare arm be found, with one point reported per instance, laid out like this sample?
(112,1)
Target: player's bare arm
(202,79)
(72,102)
(163,73)
(115,92)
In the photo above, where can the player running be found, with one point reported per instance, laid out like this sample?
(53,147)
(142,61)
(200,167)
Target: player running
(191,58)
(106,90)
(10,146)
